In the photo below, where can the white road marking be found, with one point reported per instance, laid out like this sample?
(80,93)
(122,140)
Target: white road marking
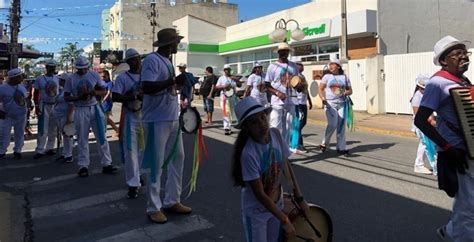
(163,232)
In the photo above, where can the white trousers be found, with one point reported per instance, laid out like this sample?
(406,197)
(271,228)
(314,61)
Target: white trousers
(461,226)
(132,154)
(420,155)
(165,135)
(67,141)
(228,115)
(336,122)
(19,131)
(49,129)
(84,120)
(281,117)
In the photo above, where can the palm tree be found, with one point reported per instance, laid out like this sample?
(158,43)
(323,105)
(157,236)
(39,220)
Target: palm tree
(69,53)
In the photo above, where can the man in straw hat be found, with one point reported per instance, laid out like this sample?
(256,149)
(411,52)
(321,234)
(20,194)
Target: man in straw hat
(127,91)
(46,88)
(82,88)
(284,97)
(455,169)
(13,97)
(163,140)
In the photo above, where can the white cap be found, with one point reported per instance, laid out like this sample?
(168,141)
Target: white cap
(14,72)
(246,108)
(131,53)
(335,61)
(81,63)
(226,66)
(51,62)
(422,80)
(444,44)
(181,65)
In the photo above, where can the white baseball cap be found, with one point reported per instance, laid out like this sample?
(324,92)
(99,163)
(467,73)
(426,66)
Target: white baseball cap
(181,65)
(422,80)
(256,64)
(226,66)
(246,108)
(335,61)
(444,44)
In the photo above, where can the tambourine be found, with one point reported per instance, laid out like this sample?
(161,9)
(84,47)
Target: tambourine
(229,92)
(69,130)
(189,120)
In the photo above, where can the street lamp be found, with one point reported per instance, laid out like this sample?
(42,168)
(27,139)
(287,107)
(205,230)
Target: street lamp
(280,32)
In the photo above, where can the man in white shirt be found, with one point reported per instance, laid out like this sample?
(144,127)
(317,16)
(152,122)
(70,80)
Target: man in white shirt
(46,89)
(227,85)
(163,138)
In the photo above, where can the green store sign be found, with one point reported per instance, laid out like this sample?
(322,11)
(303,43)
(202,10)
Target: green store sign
(315,31)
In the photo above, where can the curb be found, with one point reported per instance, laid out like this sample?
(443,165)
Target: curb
(399,133)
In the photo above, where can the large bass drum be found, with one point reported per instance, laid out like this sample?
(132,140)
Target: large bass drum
(316,227)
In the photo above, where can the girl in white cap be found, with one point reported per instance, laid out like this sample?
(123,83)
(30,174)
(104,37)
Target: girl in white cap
(260,159)
(13,97)
(256,85)
(82,88)
(46,91)
(334,89)
(426,148)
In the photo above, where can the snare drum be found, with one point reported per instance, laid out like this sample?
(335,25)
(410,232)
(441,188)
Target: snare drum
(69,130)
(189,120)
(297,83)
(317,227)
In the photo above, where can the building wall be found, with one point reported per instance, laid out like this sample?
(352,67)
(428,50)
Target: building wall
(105,29)
(136,23)
(408,26)
(360,48)
(114,33)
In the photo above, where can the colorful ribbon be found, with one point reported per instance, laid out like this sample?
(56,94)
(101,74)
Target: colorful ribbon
(295,129)
(149,155)
(100,122)
(200,151)
(174,149)
(430,150)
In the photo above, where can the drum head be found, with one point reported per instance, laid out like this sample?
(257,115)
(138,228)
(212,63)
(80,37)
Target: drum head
(189,120)
(69,130)
(229,93)
(294,81)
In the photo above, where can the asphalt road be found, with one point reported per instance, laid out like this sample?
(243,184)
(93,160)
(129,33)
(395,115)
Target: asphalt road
(373,195)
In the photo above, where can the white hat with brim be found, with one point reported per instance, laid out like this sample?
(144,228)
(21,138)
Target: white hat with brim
(14,72)
(257,64)
(246,108)
(226,66)
(445,44)
(181,65)
(81,63)
(131,53)
(335,61)
(283,46)
(422,80)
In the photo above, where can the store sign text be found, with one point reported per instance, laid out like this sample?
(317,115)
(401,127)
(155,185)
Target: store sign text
(315,31)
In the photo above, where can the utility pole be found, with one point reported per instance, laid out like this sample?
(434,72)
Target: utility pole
(344,55)
(152,17)
(14,48)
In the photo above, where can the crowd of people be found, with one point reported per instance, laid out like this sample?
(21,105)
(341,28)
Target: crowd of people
(271,116)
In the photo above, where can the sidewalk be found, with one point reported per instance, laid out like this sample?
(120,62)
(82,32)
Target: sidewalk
(389,124)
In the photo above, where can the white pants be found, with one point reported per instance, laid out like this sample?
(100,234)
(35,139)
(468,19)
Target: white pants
(335,118)
(67,141)
(19,131)
(132,154)
(228,115)
(165,135)
(461,226)
(420,155)
(281,117)
(84,119)
(262,228)
(49,129)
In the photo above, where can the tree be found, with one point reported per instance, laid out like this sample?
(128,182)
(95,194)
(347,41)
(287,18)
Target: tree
(69,53)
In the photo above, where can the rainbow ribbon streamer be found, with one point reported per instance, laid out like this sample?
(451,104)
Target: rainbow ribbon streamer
(41,122)
(430,150)
(295,129)
(200,151)
(100,122)
(348,115)
(149,156)
(174,149)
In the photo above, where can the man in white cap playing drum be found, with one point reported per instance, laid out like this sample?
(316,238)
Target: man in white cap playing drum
(163,138)
(284,97)
(127,91)
(13,97)
(82,88)
(46,89)
(227,85)
(455,169)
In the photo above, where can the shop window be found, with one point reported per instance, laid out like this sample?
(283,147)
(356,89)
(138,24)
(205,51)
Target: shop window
(232,58)
(265,65)
(234,69)
(323,57)
(246,68)
(247,57)
(328,47)
(309,59)
(310,49)
(263,55)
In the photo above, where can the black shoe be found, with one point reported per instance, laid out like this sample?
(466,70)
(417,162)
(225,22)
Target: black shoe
(2,156)
(68,159)
(142,181)
(132,192)
(343,152)
(83,172)
(16,156)
(60,159)
(322,148)
(110,169)
(38,156)
(50,152)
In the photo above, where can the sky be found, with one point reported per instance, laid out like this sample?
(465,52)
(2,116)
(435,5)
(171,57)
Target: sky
(80,20)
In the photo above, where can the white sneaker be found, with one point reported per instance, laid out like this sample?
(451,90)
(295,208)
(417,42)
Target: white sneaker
(422,170)
(295,151)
